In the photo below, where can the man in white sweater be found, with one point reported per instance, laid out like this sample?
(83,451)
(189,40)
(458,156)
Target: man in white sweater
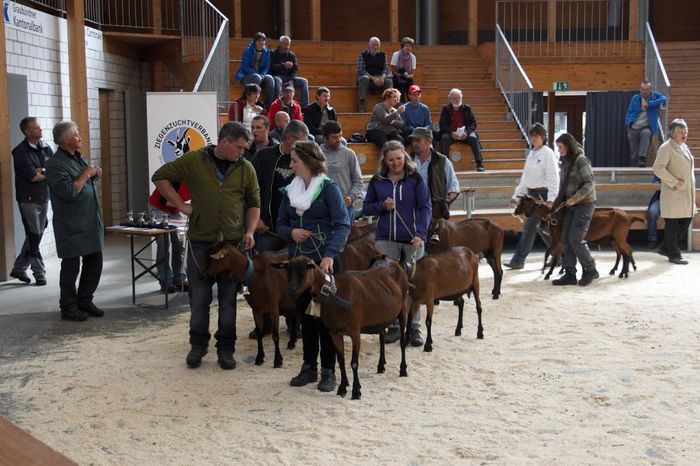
(342,165)
(540,179)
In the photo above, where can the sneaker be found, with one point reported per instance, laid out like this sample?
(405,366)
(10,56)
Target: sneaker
(306,375)
(678,260)
(194,357)
(393,334)
(514,265)
(588,276)
(225,359)
(568,278)
(414,336)
(642,163)
(480,168)
(40,280)
(91,309)
(169,287)
(20,275)
(327,383)
(662,251)
(73,314)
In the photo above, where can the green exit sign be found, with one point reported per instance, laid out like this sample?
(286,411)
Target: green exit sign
(560,86)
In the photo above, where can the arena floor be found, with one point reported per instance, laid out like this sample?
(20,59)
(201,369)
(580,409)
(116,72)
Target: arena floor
(607,374)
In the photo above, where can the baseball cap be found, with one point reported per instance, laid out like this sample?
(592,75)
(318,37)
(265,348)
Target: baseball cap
(288,87)
(413,89)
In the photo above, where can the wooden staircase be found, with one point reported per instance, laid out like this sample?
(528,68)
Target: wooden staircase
(682,62)
(440,69)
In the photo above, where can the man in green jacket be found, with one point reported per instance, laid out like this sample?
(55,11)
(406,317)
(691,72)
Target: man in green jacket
(77,223)
(222,185)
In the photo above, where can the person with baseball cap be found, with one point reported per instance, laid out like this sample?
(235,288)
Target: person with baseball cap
(417,114)
(287,104)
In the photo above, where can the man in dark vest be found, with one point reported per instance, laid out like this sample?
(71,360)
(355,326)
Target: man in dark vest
(436,170)
(30,158)
(371,71)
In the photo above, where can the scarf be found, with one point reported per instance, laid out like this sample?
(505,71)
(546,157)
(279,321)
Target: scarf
(405,62)
(301,197)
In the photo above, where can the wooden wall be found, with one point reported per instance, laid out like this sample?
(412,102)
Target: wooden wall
(675,21)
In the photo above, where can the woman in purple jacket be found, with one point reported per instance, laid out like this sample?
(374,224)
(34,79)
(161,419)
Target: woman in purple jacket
(400,198)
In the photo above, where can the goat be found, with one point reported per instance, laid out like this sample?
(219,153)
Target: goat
(364,301)
(479,235)
(181,143)
(268,298)
(359,253)
(447,275)
(613,224)
(361,228)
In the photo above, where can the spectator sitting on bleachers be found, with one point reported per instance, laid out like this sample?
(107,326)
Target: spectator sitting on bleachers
(318,113)
(372,71)
(458,124)
(248,106)
(642,122)
(281,121)
(403,66)
(386,123)
(255,67)
(417,114)
(284,68)
(653,214)
(260,129)
(285,103)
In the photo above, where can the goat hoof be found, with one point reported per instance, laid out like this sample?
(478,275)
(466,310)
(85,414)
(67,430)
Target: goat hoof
(428,348)
(458,333)
(291,346)
(342,391)
(278,364)
(259,361)
(356,396)
(612,272)
(403,373)
(380,369)
(480,336)
(496,295)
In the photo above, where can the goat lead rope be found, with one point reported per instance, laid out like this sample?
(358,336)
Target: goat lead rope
(551,221)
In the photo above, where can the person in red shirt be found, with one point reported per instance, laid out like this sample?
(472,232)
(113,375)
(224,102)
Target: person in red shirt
(285,103)
(171,279)
(458,124)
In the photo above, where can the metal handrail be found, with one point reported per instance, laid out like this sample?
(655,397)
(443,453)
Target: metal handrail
(199,40)
(514,84)
(655,72)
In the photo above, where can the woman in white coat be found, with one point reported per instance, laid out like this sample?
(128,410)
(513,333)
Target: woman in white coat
(674,166)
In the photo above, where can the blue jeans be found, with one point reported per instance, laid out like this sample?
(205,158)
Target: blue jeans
(164,271)
(267,83)
(34,221)
(577,219)
(397,251)
(300,83)
(200,294)
(527,240)
(654,214)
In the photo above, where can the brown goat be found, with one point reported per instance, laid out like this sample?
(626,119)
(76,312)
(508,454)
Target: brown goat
(361,228)
(479,235)
(359,253)
(606,224)
(446,276)
(366,301)
(268,298)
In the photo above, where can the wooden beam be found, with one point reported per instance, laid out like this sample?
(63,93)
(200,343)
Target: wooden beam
(157,17)
(20,447)
(237,23)
(634,13)
(551,122)
(77,71)
(552,21)
(105,157)
(473,22)
(393,20)
(7,233)
(315,19)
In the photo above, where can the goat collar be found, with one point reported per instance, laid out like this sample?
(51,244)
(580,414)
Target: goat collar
(328,289)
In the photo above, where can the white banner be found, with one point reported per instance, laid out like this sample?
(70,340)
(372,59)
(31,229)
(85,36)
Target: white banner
(178,122)
(24,18)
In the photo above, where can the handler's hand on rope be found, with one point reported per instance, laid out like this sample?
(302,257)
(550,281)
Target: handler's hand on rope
(299,235)
(326,265)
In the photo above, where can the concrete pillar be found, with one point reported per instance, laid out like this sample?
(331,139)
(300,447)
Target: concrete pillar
(428,21)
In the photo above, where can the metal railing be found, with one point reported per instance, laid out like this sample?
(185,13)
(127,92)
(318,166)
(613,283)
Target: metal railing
(161,15)
(513,83)
(655,72)
(205,37)
(56,5)
(571,28)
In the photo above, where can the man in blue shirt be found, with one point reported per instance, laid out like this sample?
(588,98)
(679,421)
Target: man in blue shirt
(642,122)
(416,114)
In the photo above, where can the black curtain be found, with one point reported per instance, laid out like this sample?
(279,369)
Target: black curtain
(606,136)
(538,113)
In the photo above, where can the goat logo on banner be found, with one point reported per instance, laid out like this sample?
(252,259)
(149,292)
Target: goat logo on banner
(179,137)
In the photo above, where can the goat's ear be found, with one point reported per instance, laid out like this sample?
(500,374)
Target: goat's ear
(279,265)
(218,255)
